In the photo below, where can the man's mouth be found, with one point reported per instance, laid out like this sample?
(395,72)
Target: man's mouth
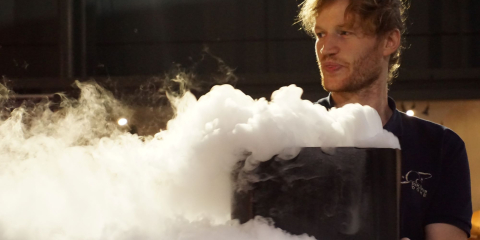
(331,67)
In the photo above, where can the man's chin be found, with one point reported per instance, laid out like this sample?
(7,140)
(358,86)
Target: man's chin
(332,89)
(333,85)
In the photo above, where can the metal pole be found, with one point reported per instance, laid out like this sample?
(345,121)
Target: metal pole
(267,50)
(66,39)
(83,38)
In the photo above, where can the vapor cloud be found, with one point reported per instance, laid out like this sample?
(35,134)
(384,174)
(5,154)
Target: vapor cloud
(72,174)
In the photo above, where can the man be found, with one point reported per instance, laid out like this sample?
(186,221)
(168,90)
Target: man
(358,45)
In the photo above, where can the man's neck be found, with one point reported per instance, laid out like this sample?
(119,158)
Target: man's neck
(375,97)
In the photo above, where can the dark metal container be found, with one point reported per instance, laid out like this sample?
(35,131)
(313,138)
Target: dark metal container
(339,193)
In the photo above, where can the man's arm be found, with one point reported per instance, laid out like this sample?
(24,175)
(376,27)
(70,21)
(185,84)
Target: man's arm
(450,213)
(443,231)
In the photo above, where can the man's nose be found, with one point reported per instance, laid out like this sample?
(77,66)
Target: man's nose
(329,45)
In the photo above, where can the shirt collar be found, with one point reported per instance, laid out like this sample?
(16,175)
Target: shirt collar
(330,101)
(394,124)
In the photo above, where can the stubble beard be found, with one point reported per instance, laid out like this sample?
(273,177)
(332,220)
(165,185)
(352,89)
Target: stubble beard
(366,71)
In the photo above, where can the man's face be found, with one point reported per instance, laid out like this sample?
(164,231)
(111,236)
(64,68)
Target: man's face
(348,59)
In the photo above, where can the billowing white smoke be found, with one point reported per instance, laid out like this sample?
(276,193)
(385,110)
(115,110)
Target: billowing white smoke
(72,175)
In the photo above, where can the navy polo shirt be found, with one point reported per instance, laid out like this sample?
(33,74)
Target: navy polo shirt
(435,184)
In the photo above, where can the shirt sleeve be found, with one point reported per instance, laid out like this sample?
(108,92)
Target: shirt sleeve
(452,202)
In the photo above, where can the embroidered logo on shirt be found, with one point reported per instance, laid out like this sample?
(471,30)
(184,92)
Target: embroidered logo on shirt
(416,179)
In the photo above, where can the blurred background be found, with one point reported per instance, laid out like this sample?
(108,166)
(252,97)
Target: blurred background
(128,45)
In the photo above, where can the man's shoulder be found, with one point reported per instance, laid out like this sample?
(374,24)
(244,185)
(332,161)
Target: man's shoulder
(426,129)
(413,122)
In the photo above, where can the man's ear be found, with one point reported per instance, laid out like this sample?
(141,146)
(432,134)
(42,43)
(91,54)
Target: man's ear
(391,42)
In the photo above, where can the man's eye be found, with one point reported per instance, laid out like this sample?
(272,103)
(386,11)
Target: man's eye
(345,33)
(320,35)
